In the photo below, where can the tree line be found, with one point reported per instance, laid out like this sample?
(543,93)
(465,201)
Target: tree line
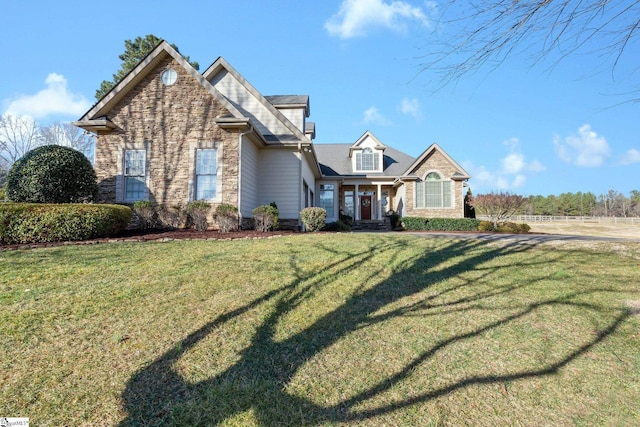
(611,204)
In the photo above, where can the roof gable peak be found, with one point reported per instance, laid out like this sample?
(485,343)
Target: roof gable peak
(141,70)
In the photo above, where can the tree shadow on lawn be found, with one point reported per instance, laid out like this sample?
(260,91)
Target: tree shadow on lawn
(158,395)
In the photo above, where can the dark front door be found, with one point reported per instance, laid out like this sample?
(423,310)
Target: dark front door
(365,207)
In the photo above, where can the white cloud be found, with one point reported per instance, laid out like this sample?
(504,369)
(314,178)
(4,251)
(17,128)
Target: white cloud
(586,149)
(513,163)
(55,98)
(512,173)
(630,157)
(373,116)
(411,107)
(356,17)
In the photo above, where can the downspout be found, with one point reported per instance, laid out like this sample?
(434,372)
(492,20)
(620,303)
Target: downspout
(300,182)
(240,172)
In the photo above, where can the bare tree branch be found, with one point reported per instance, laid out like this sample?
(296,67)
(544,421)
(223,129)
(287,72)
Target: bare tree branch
(474,34)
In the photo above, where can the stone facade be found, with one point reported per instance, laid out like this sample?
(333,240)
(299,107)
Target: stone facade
(169,123)
(436,162)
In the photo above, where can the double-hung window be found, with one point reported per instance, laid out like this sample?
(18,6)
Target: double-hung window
(134,175)
(206,173)
(433,192)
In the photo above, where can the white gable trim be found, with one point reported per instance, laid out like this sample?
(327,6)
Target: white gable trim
(460,174)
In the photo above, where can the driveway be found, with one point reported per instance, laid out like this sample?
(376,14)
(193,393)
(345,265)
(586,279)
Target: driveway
(532,238)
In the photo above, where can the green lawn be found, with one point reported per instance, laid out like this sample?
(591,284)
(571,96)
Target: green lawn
(327,329)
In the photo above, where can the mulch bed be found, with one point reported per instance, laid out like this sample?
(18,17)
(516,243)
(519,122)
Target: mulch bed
(158,235)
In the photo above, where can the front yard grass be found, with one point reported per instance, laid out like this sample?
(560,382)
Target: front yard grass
(345,329)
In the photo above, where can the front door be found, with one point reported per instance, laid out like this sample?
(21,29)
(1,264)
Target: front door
(365,207)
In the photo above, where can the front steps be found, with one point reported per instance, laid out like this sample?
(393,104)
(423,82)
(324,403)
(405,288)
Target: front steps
(370,225)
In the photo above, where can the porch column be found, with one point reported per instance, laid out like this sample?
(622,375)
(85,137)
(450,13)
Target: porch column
(356,205)
(379,201)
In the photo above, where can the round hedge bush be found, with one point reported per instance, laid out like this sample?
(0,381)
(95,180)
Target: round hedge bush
(52,174)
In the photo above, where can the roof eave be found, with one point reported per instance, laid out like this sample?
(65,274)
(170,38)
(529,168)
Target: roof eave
(96,125)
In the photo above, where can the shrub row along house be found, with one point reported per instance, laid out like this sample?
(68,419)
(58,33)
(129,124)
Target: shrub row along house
(168,134)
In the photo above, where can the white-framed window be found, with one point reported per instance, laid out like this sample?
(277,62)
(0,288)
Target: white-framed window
(349,203)
(367,160)
(433,192)
(206,173)
(135,187)
(327,194)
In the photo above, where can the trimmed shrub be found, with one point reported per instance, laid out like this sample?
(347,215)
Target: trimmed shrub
(346,219)
(197,214)
(512,227)
(505,227)
(227,217)
(52,174)
(171,217)
(40,223)
(486,226)
(440,224)
(265,218)
(313,218)
(146,211)
(394,220)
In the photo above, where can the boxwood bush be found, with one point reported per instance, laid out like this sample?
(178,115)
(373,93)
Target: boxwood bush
(266,218)
(197,214)
(39,223)
(227,217)
(313,218)
(440,224)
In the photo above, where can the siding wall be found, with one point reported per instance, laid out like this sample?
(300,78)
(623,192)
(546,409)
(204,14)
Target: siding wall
(248,104)
(249,185)
(279,180)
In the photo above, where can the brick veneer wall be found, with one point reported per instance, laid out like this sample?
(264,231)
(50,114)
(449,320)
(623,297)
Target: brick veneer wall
(436,162)
(170,123)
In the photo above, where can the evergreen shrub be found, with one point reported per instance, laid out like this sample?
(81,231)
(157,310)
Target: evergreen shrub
(197,213)
(147,212)
(39,223)
(440,224)
(52,174)
(265,218)
(313,218)
(227,217)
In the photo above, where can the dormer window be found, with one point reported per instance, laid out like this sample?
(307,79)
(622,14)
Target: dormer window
(367,160)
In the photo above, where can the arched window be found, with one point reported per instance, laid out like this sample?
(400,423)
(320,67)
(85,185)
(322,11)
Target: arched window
(433,192)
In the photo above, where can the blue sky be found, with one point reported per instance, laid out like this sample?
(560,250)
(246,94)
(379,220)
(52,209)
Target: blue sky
(524,128)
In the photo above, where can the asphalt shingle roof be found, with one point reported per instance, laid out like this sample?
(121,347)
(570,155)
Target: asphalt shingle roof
(335,161)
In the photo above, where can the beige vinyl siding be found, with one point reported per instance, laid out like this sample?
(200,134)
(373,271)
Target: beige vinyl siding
(248,104)
(295,116)
(249,179)
(309,178)
(279,180)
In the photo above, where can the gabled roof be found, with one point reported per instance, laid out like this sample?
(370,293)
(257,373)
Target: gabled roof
(459,175)
(364,137)
(250,102)
(139,72)
(334,161)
